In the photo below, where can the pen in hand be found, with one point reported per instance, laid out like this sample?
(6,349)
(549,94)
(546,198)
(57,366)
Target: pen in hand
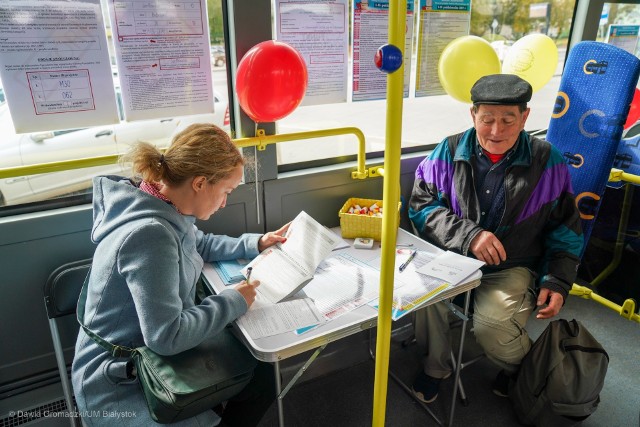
(249,269)
(406,263)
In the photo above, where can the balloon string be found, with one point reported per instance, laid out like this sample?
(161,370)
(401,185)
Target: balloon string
(255,168)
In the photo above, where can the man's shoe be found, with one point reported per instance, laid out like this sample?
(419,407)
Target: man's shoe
(425,387)
(501,384)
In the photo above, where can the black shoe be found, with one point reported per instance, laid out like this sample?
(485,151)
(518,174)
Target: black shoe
(425,387)
(501,384)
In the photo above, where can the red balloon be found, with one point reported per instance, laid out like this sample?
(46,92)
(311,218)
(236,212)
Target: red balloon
(271,81)
(634,111)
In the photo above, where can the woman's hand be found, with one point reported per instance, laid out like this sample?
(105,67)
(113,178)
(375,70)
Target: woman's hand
(273,237)
(248,290)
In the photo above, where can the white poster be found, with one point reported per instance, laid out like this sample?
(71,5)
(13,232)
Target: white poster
(624,36)
(54,64)
(319,30)
(370,31)
(162,52)
(441,22)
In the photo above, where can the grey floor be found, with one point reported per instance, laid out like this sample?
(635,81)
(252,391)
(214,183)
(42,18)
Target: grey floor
(345,397)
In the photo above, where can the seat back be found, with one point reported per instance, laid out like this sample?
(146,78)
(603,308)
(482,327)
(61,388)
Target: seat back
(592,105)
(61,292)
(627,158)
(62,289)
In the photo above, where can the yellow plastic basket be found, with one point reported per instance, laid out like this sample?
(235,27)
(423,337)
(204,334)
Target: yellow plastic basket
(356,225)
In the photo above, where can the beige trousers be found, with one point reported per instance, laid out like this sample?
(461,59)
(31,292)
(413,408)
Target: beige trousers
(502,304)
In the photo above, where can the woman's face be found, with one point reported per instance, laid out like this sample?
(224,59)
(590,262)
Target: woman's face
(212,197)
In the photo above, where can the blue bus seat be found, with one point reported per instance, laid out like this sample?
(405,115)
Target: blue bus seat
(592,105)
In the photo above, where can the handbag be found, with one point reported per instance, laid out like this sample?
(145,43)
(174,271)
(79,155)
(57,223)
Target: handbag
(183,385)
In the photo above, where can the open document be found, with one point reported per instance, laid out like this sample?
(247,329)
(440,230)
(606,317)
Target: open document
(287,267)
(273,319)
(413,288)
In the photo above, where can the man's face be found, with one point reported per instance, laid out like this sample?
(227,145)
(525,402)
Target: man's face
(498,126)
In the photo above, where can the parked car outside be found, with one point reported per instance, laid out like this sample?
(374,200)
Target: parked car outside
(218,57)
(45,147)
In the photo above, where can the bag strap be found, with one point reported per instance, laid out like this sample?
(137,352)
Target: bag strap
(113,350)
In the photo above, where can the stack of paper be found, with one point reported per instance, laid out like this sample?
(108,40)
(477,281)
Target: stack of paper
(230,271)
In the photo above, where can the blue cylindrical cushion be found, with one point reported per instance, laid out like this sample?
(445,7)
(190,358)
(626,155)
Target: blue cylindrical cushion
(593,101)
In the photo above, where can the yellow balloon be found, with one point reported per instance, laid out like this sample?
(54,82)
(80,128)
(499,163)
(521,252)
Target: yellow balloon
(463,61)
(534,58)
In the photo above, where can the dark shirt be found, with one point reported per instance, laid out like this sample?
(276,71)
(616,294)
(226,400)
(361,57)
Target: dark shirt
(489,182)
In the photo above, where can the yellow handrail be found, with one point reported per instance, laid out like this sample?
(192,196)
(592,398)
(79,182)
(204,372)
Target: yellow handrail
(391,194)
(64,165)
(626,310)
(260,141)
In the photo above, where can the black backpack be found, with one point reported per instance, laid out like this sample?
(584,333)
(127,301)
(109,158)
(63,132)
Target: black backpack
(561,377)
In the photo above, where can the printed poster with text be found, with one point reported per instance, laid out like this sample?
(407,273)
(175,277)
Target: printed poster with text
(370,31)
(319,30)
(54,65)
(441,21)
(624,36)
(162,52)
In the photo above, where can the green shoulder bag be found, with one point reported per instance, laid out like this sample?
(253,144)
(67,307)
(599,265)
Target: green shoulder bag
(183,385)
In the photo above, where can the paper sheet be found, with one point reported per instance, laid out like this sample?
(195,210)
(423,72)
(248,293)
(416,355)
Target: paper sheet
(275,319)
(451,267)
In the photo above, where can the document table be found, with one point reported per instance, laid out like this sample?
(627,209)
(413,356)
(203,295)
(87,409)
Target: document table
(282,346)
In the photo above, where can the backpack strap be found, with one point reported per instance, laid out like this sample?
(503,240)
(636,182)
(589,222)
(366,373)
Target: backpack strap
(113,350)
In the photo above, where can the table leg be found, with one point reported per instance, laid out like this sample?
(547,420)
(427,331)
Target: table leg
(278,391)
(465,318)
(282,393)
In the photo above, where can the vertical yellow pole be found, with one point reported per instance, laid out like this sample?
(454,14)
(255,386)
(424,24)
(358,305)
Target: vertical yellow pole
(391,195)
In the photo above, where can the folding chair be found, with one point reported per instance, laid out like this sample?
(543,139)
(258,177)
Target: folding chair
(61,292)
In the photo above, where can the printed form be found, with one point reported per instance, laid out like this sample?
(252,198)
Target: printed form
(163,57)
(286,268)
(54,65)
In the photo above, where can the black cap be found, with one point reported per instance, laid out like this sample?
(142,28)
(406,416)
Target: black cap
(501,89)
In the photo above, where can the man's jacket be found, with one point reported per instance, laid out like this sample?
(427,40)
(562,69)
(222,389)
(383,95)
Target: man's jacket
(540,226)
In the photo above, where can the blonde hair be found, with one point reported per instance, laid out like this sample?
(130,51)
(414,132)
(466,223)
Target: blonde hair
(201,149)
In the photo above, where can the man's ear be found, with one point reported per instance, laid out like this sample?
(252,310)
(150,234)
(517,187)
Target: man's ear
(525,115)
(198,183)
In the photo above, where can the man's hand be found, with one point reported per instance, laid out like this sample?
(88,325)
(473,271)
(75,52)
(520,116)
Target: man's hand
(554,303)
(248,290)
(273,237)
(486,247)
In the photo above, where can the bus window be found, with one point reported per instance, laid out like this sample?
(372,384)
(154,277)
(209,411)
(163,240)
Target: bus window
(428,119)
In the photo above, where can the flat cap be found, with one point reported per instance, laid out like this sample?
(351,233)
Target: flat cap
(501,89)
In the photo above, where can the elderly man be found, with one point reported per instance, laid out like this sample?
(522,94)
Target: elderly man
(504,197)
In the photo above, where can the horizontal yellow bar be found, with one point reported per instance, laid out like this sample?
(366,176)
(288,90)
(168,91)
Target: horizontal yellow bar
(258,141)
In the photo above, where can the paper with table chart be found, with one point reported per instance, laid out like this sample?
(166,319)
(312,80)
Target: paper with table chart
(341,284)
(412,289)
(287,267)
(266,320)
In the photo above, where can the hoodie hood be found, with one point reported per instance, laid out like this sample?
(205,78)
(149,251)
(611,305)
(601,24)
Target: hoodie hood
(118,200)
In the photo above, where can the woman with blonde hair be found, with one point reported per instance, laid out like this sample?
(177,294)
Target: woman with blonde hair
(148,260)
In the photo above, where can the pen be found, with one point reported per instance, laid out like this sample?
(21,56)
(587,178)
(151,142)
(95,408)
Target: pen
(406,263)
(249,273)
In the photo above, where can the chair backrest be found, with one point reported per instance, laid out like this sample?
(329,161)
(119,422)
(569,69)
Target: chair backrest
(62,289)
(592,105)
(61,293)
(627,158)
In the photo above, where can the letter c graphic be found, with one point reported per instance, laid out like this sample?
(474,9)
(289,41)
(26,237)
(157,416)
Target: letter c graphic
(584,67)
(583,118)
(580,197)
